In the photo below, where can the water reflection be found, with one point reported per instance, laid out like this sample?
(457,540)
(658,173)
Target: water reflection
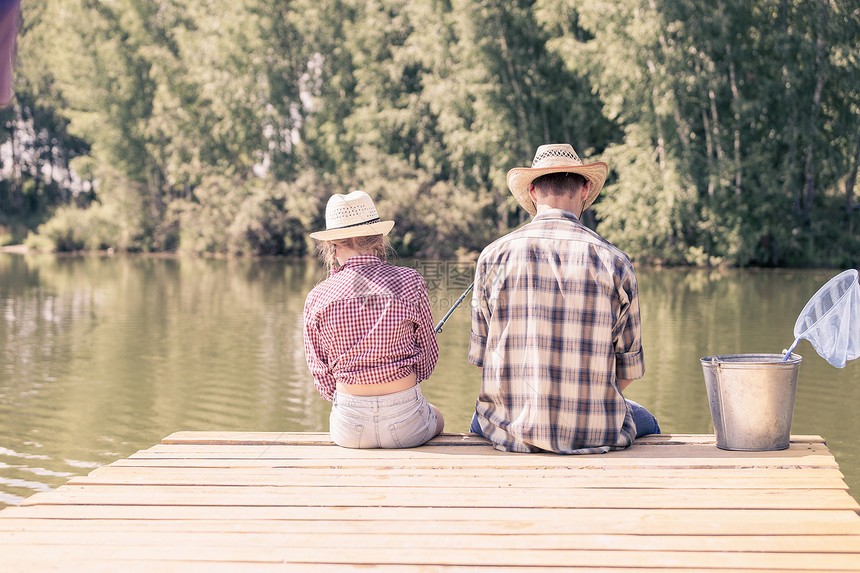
(100,357)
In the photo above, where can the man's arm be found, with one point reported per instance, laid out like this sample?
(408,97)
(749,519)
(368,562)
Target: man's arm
(623,384)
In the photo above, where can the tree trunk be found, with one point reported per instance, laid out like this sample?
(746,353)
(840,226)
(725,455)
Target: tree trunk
(851,180)
(519,112)
(718,148)
(709,151)
(737,115)
(709,142)
(735,104)
(790,162)
(16,197)
(809,187)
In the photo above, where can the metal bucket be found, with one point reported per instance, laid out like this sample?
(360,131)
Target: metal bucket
(752,399)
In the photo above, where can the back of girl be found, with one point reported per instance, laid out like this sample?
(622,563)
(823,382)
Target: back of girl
(368,334)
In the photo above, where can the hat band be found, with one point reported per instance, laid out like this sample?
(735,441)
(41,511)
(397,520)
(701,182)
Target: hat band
(354,225)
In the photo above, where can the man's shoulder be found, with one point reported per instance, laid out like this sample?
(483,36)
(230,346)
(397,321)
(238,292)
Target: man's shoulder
(539,230)
(507,239)
(611,248)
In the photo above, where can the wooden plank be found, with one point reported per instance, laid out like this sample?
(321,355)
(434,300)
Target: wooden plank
(44,562)
(381,464)
(636,451)
(37,564)
(805,456)
(297,439)
(462,520)
(594,478)
(112,533)
(453,464)
(446,497)
(442,469)
(462,557)
(323,438)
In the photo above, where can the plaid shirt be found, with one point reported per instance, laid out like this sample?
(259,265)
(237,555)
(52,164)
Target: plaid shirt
(555,322)
(368,323)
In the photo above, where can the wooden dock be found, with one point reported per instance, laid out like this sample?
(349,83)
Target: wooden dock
(204,501)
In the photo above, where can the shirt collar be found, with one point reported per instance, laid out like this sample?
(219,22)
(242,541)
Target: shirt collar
(556,214)
(359,261)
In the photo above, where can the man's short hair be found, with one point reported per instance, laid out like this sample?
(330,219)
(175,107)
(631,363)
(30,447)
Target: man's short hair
(558,184)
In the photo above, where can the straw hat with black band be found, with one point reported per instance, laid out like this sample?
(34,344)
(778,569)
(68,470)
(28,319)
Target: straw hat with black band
(351,215)
(555,158)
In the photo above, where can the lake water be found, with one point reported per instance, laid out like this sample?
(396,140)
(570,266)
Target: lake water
(103,356)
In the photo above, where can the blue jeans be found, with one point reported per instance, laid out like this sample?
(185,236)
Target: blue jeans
(646,423)
(400,420)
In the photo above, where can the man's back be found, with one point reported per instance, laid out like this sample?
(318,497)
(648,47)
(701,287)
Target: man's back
(555,322)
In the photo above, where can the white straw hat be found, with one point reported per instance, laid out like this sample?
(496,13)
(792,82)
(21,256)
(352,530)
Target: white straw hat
(555,158)
(351,215)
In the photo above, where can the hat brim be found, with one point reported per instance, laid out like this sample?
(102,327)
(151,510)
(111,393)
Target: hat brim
(519,179)
(378,228)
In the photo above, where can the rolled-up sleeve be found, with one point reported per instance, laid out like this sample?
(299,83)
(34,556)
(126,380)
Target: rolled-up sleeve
(629,358)
(315,355)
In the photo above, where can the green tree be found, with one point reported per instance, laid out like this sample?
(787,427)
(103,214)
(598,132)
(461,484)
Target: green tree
(728,109)
(730,127)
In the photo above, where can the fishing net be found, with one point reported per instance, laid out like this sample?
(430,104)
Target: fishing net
(830,321)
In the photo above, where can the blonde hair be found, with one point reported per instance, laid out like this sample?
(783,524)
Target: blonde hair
(376,245)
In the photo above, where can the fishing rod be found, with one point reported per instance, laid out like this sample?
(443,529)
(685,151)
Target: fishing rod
(456,304)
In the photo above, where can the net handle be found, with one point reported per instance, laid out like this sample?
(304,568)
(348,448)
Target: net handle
(792,347)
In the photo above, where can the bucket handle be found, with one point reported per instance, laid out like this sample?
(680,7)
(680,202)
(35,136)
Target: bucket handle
(719,374)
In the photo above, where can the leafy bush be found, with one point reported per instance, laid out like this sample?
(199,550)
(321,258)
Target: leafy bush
(252,217)
(264,225)
(73,229)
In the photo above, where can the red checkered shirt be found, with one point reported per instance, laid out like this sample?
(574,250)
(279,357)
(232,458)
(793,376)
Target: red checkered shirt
(369,323)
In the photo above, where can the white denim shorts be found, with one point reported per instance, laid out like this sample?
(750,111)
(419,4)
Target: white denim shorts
(400,420)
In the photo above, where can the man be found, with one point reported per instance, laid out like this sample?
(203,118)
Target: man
(555,321)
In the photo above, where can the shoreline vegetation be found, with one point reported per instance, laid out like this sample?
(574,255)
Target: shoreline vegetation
(23,249)
(731,129)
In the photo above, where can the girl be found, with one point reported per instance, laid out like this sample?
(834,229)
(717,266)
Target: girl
(368,334)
